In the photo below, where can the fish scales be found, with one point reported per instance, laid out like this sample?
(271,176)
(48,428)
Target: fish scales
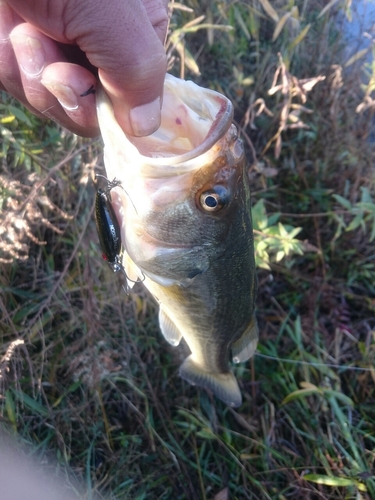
(186,227)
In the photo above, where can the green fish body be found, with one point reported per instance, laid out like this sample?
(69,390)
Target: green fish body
(185,214)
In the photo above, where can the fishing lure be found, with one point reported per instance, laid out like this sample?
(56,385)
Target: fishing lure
(108,229)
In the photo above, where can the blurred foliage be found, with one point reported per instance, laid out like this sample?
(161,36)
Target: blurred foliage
(363,212)
(272,238)
(85,374)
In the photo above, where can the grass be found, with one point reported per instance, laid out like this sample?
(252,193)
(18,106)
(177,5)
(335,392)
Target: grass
(94,387)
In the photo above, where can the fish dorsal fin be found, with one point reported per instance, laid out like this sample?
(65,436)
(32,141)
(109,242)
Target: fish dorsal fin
(245,346)
(223,385)
(169,330)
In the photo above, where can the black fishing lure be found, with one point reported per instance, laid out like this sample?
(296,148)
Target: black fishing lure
(108,227)
(109,231)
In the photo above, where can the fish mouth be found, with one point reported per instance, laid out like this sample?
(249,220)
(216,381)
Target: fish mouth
(193,120)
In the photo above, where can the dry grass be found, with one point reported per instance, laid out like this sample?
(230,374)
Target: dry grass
(91,381)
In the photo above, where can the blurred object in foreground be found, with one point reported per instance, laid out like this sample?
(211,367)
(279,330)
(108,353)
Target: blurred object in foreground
(24,479)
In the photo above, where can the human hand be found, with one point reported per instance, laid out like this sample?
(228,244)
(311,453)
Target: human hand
(52,53)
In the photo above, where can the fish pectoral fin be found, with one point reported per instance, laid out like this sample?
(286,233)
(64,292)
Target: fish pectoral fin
(244,347)
(133,273)
(173,275)
(162,280)
(223,385)
(169,330)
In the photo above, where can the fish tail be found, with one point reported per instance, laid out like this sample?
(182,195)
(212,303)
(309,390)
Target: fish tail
(223,385)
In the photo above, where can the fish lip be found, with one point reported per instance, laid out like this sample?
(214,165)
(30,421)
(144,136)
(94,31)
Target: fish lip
(177,164)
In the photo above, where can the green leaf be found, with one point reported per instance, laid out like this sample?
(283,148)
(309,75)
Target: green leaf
(31,403)
(188,58)
(273,219)
(301,393)
(334,481)
(358,55)
(280,25)
(299,37)
(339,395)
(343,201)
(206,434)
(241,22)
(71,388)
(356,222)
(372,235)
(10,409)
(262,264)
(20,115)
(194,29)
(282,230)
(366,196)
(366,205)
(270,10)
(294,232)
(260,219)
(327,7)
(280,255)
(193,419)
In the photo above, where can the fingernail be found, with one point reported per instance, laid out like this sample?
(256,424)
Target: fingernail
(64,94)
(29,53)
(145,119)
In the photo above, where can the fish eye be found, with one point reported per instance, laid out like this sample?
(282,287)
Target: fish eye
(215,199)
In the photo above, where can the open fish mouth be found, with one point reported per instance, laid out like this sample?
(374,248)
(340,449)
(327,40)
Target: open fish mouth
(193,120)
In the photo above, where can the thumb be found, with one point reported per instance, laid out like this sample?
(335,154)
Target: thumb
(132,62)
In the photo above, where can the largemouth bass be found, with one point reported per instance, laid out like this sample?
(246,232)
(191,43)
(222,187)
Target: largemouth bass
(185,219)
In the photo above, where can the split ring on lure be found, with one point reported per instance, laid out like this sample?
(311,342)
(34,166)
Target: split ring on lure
(108,228)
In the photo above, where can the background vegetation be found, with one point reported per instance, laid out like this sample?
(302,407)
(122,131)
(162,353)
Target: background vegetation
(85,375)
